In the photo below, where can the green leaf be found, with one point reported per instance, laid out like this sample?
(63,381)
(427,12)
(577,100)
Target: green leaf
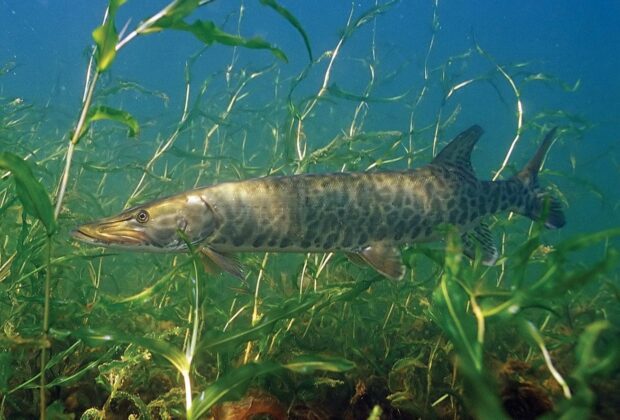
(106,113)
(408,363)
(173,13)
(7,68)
(209,33)
(230,386)
(292,20)
(234,384)
(310,363)
(336,91)
(593,359)
(182,8)
(480,393)
(217,341)
(29,190)
(367,16)
(449,308)
(106,38)
(56,411)
(587,240)
(54,361)
(597,358)
(6,370)
(160,347)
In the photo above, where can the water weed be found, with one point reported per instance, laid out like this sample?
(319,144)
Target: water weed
(109,334)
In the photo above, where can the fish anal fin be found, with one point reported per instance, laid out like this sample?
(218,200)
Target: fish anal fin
(458,151)
(384,258)
(216,261)
(480,238)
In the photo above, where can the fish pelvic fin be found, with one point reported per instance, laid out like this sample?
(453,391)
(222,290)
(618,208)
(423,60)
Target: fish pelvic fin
(458,151)
(540,205)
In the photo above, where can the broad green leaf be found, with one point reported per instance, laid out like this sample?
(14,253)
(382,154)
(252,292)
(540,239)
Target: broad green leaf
(449,308)
(106,38)
(160,347)
(292,20)
(106,113)
(209,33)
(172,14)
(29,190)
(181,8)
(230,386)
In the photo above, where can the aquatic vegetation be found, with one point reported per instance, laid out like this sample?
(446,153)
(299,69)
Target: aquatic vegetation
(97,334)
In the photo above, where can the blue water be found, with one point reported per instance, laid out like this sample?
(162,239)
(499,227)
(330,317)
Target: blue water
(48,41)
(563,56)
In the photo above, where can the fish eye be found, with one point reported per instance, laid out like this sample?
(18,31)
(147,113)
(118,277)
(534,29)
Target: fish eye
(142,216)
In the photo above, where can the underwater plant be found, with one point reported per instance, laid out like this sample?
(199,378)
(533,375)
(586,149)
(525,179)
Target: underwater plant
(103,334)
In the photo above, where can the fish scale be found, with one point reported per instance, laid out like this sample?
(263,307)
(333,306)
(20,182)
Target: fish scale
(367,215)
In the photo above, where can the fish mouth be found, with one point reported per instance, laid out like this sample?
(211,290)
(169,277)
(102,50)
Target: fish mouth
(109,235)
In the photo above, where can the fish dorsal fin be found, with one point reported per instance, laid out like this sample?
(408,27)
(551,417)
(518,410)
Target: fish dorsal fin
(216,261)
(480,238)
(384,258)
(458,151)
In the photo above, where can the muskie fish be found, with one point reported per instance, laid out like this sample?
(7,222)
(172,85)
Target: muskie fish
(367,215)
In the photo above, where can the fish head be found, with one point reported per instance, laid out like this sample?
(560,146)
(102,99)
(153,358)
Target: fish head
(165,225)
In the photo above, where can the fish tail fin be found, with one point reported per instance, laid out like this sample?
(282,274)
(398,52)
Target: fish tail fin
(540,205)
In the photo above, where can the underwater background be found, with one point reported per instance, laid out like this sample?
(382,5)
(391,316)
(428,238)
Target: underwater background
(224,90)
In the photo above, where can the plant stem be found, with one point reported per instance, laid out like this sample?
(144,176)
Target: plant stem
(74,139)
(46,313)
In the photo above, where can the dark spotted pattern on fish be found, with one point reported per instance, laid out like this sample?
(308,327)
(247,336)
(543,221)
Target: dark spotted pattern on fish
(349,211)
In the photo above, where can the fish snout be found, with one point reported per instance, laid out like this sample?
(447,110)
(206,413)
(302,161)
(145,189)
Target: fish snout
(110,234)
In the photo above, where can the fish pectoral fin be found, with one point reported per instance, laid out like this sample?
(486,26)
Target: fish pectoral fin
(480,238)
(356,259)
(217,261)
(384,258)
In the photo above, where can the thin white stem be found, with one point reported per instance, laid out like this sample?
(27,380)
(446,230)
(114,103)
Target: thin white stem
(554,372)
(188,391)
(74,139)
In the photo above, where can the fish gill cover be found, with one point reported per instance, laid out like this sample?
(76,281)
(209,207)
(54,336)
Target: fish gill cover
(105,105)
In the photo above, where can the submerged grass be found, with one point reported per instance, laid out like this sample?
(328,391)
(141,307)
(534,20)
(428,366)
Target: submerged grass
(310,336)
